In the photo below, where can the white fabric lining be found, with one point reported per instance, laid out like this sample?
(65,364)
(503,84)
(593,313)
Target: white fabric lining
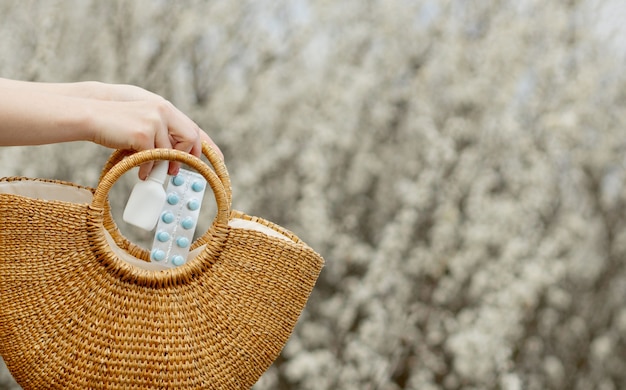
(239,223)
(46,190)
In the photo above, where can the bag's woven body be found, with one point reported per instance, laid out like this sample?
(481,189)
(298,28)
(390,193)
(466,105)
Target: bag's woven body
(72,317)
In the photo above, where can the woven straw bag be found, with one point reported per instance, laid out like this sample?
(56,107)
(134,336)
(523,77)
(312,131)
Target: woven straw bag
(75,315)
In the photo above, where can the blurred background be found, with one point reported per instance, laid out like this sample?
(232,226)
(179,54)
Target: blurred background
(461,165)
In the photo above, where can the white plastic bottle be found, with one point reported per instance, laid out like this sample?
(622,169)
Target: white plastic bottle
(146,200)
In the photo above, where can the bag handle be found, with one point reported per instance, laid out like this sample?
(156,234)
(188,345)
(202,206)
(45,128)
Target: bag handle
(207,150)
(136,250)
(214,238)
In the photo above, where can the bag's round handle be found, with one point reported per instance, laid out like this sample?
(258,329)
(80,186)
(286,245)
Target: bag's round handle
(207,150)
(136,250)
(216,235)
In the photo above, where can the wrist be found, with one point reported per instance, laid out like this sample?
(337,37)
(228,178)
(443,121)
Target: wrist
(90,90)
(80,121)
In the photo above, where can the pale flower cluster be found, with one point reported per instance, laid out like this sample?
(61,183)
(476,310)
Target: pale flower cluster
(460,165)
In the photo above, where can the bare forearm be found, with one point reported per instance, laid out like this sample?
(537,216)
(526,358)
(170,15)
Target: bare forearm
(113,115)
(82,89)
(85,89)
(31,117)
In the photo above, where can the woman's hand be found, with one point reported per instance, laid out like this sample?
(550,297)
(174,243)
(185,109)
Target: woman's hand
(113,115)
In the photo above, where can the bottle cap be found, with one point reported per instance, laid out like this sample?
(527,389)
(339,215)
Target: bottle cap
(159,171)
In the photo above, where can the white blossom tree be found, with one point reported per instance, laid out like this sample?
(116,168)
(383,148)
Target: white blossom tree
(460,166)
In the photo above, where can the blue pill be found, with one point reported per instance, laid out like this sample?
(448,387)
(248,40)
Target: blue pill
(178,180)
(178,260)
(158,255)
(197,186)
(193,204)
(163,236)
(167,217)
(187,223)
(182,242)
(172,198)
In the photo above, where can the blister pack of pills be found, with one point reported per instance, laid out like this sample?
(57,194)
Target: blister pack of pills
(178,220)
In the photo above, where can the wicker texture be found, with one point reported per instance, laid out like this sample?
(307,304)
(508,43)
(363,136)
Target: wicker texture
(74,316)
